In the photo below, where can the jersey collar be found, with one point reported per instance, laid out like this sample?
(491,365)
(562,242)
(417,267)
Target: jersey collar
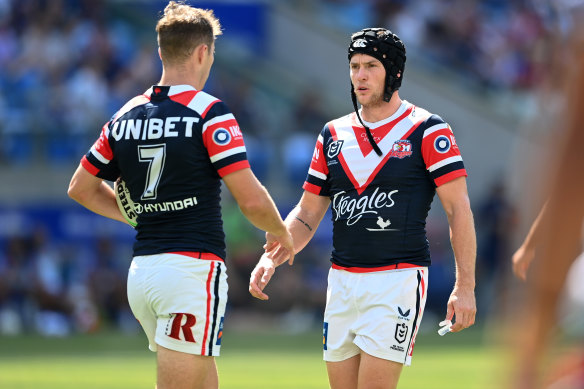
(402,108)
(172,90)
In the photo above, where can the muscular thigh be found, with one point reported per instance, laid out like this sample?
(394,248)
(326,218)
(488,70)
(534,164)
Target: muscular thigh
(177,370)
(364,371)
(377,373)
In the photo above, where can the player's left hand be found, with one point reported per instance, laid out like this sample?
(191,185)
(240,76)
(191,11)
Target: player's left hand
(261,275)
(277,251)
(461,303)
(521,260)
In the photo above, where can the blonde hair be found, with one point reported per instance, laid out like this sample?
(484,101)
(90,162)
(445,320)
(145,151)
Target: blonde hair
(182,28)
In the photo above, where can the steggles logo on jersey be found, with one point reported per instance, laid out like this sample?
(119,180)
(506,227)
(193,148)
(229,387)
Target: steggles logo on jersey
(401,149)
(353,209)
(383,224)
(221,136)
(334,148)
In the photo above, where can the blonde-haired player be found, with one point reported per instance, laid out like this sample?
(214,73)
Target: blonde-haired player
(171,146)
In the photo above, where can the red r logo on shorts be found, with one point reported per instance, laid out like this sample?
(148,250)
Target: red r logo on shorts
(177,325)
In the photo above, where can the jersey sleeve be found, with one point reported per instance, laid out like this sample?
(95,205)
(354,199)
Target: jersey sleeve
(224,141)
(441,153)
(316,180)
(99,160)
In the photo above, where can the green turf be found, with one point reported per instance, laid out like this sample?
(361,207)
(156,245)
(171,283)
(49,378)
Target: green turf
(111,360)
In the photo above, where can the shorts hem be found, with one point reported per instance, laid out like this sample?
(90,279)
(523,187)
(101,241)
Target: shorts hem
(333,358)
(394,357)
(182,347)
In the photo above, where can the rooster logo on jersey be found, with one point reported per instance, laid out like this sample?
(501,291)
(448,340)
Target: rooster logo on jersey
(401,149)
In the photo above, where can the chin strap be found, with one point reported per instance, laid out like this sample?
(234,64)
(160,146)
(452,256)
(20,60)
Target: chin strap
(367,130)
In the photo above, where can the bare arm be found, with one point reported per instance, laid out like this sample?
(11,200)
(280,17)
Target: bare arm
(257,205)
(526,252)
(455,201)
(304,219)
(302,223)
(559,243)
(94,194)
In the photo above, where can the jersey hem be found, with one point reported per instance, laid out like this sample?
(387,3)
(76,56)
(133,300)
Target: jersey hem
(396,266)
(450,176)
(311,188)
(198,255)
(89,167)
(233,168)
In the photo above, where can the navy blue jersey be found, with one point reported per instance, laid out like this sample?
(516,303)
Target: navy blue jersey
(380,204)
(171,146)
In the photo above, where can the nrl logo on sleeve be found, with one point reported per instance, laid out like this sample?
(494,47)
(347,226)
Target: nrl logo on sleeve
(334,148)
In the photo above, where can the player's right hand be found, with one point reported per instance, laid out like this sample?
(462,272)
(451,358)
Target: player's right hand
(461,303)
(260,276)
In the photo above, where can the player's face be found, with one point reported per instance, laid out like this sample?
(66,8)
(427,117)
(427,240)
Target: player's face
(368,78)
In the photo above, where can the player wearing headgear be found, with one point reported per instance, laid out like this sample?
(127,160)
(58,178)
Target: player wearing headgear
(379,168)
(170,147)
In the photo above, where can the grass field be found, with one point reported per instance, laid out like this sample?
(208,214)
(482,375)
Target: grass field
(248,360)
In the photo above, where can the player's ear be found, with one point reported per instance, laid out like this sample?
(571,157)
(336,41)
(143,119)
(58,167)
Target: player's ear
(159,54)
(200,53)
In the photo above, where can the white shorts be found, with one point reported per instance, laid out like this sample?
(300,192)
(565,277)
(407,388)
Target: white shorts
(377,312)
(179,301)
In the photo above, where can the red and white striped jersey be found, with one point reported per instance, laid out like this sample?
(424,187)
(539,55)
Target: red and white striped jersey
(171,146)
(380,204)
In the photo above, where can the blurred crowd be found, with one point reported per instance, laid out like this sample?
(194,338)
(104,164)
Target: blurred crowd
(66,66)
(498,45)
(71,64)
(56,289)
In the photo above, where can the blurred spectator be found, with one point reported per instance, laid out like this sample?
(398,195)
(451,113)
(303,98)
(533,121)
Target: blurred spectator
(441,278)
(49,286)
(496,218)
(307,118)
(16,290)
(107,283)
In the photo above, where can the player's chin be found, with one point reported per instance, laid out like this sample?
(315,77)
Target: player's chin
(363,98)
(369,100)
